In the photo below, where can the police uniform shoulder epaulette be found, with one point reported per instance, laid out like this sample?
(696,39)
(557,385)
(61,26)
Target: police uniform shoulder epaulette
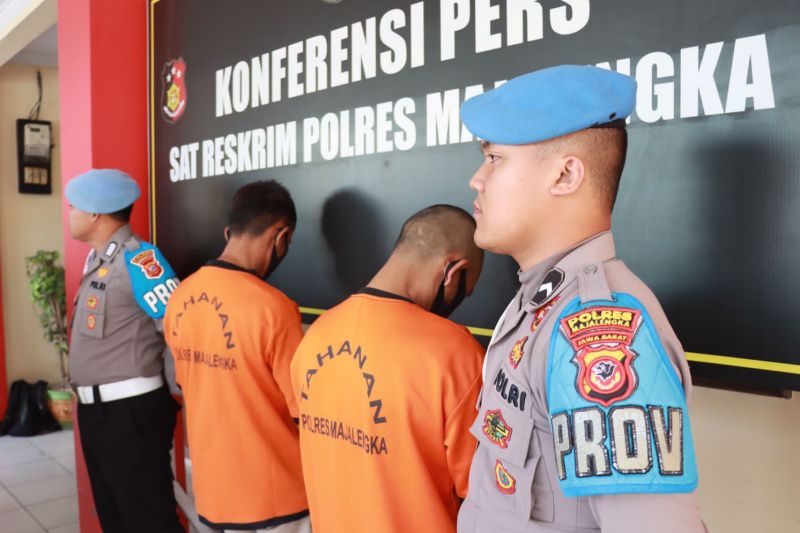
(132,243)
(152,277)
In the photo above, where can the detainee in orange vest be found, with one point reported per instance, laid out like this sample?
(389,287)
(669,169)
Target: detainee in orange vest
(232,336)
(387,388)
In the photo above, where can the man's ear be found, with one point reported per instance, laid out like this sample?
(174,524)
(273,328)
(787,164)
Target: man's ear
(281,235)
(572,174)
(453,268)
(226,233)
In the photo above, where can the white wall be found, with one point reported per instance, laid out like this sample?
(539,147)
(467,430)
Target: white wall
(28,223)
(748,452)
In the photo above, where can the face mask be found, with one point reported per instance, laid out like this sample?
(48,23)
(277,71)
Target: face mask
(274,261)
(444,309)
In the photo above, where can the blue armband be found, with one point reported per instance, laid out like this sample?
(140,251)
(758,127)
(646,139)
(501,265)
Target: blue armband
(617,408)
(152,278)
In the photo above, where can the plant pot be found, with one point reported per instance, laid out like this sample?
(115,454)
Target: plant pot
(60,402)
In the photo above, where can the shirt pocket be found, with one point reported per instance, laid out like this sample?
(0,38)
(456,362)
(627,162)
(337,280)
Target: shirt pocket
(505,432)
(543,505)
(512,456)
(91,314)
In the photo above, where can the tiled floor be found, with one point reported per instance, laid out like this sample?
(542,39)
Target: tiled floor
(38,492)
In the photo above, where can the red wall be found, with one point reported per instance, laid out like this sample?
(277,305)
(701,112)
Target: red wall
(102,49)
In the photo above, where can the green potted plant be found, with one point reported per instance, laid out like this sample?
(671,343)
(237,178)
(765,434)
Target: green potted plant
(48,292)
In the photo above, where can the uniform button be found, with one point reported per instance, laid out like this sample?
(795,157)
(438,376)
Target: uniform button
(589,270)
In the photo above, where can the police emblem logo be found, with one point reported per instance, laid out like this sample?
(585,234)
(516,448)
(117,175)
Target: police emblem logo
(91,302)
(505,481)
(147,261)
(102,272)
(496,428)
(91,321)
(173,96)
(540,314)
(606,375)
(602,339)
(515,356)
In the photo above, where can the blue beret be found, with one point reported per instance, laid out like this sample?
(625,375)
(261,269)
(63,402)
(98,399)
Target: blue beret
(549,103)
(102,191)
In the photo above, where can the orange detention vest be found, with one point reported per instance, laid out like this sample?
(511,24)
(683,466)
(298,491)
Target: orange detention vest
(387,394)
(232,337)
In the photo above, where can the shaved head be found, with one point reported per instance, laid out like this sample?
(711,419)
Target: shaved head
(435,262)
(438,230)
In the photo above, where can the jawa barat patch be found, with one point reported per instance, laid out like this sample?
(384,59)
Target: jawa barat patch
(602,338)
(150,266)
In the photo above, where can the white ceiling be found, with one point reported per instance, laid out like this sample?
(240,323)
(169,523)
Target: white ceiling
(28,32)
(41,51)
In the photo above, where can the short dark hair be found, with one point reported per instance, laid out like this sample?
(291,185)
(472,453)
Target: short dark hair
(613,143)
(123,215)
(604,151)
(437,229)
(258,205)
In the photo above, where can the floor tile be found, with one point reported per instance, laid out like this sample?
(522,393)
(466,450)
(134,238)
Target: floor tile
(44,490)
(55,436)
(7,501)
(13,443)
(19,521)
(67,461)
(58,443)
(32,471)
(17,456)
(56,513)
(69,528)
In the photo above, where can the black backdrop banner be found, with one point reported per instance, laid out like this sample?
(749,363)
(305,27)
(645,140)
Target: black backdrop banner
(353,106)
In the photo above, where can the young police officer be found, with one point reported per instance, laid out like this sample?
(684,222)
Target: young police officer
(125,412)
(583,423)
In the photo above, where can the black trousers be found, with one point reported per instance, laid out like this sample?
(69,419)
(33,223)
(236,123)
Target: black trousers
(126,445)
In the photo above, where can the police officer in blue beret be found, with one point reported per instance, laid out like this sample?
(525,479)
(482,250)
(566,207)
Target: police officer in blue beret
(126,414)
(583,423)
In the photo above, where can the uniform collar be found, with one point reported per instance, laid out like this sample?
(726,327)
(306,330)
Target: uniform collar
(542,282)
(115,242)
(219,263)
(533,278)
(372,291)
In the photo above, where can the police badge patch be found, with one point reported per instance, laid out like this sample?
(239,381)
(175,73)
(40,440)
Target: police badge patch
(152,278)
(173,95)
(601,337)
(517,352)
(505,481)
(616,429)
(496,428)
(150,266)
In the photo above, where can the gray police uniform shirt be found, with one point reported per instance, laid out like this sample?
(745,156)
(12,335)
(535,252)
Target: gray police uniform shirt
(582,421)
(118,309)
